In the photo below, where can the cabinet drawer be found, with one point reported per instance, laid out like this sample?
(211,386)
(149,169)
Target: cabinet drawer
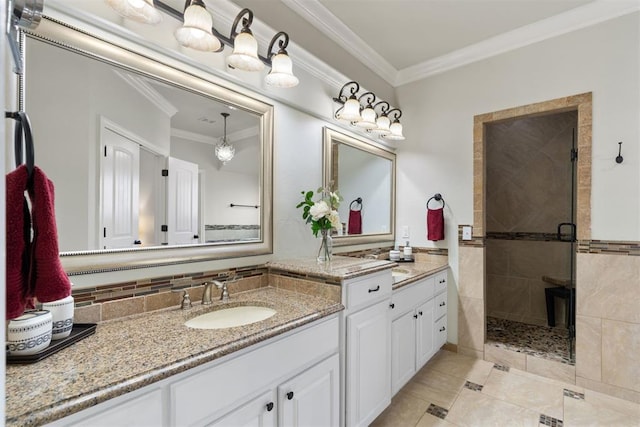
(441,332)
(441,305)
(408,297)
(368,290)
(441,281)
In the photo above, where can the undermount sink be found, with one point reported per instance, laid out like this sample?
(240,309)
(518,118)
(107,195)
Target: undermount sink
(400,274)
(230,317)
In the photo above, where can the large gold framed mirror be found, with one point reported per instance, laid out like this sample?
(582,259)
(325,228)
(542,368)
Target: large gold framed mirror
(129,143)
(364,174)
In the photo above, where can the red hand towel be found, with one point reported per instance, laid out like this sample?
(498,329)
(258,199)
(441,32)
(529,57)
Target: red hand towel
(48,279)
(435,224)
(18,223)
(355,222)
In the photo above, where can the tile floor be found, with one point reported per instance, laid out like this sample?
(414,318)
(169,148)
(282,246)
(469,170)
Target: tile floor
(456,390)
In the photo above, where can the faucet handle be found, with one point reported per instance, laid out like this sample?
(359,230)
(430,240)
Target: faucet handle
(224,296)
(185,304)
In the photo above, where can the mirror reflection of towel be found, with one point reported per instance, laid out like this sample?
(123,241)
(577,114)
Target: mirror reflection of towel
(355,222)
(435,224)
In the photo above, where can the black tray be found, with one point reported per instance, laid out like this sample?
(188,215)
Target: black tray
(404,260)
(79,331)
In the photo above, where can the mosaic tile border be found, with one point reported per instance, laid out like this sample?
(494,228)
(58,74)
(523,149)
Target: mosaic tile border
(550,421)
(503,368)
(610,247)
(532,236)
(157,285)
(437,411)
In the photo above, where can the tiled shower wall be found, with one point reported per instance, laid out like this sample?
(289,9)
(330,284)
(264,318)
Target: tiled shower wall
(528,193)
(515,290)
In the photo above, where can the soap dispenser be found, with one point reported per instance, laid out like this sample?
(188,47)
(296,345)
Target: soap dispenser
(407,252)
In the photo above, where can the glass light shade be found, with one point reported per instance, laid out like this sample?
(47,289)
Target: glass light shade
(351,111)
(225,152)
(245,53)
(196,31)
(281,74)
(396,132)
(383,124)
(368,119)
(137,10)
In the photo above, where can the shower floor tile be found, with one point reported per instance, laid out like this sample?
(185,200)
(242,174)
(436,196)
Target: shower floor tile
(540,341)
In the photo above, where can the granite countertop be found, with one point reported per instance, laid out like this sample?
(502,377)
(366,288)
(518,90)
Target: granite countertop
(412,272)
(340,267)
(126,354)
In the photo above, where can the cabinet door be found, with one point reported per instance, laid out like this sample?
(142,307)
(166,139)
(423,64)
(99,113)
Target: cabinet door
(313,397)
(403,350)
(259,412)
(425,333)
(368,364)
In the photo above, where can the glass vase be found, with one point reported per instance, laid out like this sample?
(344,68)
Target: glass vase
(326,246)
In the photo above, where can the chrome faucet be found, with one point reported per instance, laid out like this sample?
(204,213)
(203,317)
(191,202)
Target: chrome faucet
(206,294)
(224,296)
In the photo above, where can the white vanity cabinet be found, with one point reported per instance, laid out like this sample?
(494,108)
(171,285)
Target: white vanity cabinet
(368,347)
(416,317)
(288,380)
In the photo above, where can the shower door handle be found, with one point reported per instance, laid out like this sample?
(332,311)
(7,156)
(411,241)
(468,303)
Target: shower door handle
(573,232)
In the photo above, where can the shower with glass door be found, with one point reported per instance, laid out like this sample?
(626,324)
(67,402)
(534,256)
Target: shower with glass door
(531,235)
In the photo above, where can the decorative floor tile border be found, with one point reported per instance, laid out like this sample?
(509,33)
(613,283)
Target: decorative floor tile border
(550,421)
(473,386)
(437,411)
(502,368)
(573,394)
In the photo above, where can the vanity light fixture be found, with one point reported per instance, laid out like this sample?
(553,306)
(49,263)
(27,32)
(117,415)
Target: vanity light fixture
(350,110)
(281,74)
(138,10)
(224,150)
(245,46)
(396,126)
(368,113)
(363,111)
(197,32)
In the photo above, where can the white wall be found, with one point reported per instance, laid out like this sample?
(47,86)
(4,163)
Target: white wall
(438,112)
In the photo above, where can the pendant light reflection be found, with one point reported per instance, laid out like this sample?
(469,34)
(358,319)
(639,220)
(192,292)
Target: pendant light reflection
(137,10)
(225,151)
(196,32)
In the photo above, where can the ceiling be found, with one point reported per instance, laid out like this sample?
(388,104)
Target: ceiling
(392,38)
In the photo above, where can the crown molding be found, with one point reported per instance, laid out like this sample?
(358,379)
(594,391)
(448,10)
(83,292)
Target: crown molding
(141,86)
(569,21)
(325,21)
